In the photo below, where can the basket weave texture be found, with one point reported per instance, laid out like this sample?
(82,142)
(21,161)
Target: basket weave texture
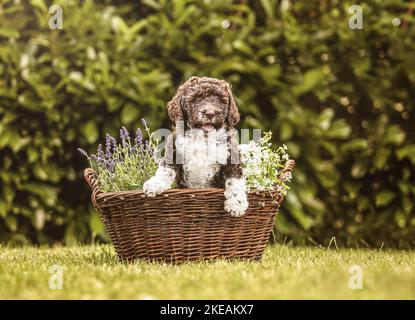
(184,224)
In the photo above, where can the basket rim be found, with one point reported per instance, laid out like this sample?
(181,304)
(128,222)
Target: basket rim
(139,192)
(90,176)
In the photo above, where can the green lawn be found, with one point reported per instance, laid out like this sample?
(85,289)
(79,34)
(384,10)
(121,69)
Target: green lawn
(93,272)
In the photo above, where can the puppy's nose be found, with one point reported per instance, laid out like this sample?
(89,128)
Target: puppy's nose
(209,114)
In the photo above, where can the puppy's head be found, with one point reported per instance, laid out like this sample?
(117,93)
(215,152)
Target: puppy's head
(204,103)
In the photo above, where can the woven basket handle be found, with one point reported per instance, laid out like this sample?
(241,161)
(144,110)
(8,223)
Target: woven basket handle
(91,178)
(289,166)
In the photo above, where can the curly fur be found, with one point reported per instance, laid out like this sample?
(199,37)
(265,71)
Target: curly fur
(203,150)
(205,86)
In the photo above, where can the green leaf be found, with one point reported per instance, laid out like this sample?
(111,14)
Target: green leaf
(408,205)
(12,223)
(9,33)
(96,224)
(268,7)
(359,169)
(40,4)
(408,152)
(119,25)
(20,144)
(46,192)
(39,219)
(383,198)
(311,79)
(9,193)
(339,130)
(394,135)
(363,203)
(11,138)
(381,158)
(129,113)
(90,131)
(297,211)
(4,208)
(286,131)
(354,145)
(325,118)
(152,4)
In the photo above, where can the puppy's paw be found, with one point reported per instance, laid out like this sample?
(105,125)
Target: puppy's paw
(152,187)
(160,182)
(236,204)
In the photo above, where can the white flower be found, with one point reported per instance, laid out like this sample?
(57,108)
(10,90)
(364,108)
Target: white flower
(286,176)
(261,165)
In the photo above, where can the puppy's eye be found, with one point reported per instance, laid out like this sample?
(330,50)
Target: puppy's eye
(218,100)
(223,100)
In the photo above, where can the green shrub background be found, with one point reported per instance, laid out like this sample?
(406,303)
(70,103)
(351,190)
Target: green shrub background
(341,99)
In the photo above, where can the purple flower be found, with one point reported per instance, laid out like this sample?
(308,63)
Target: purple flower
(83,152)
(111,166)
(138,137)
(114,144)
(125,136)
(147,147)
(110,155)
(126,133)
(110,142)
(100,156)
(100,151)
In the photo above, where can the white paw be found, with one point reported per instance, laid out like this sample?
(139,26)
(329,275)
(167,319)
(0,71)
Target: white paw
(236,205)
(161,182)
(152,188)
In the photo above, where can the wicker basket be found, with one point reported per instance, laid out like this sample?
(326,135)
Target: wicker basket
(184,224)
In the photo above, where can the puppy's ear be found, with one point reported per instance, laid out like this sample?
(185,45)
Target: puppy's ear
(176,105)
(233,113)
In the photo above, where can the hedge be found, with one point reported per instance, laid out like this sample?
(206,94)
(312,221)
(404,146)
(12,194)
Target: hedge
(341,99)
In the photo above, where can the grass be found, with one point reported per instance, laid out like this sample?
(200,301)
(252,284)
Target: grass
(93,272)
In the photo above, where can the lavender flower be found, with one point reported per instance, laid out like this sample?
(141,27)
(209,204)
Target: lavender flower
(125,136)
(125,165)
(100,151)
(138,137)
(100,155)
(110,165)
(110,143)
(83,152)
(126,133)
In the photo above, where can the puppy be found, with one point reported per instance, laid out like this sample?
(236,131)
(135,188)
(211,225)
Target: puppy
(203,150)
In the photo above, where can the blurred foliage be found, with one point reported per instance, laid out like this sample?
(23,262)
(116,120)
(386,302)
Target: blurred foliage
(341,99)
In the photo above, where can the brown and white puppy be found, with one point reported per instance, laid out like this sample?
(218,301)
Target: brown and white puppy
(203,150)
